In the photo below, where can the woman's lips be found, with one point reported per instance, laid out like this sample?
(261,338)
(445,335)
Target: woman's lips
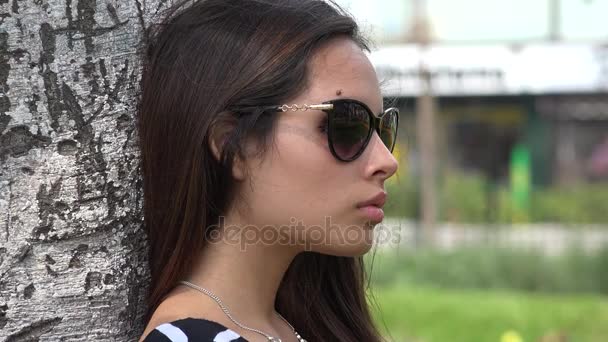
(375,214)
(372,208)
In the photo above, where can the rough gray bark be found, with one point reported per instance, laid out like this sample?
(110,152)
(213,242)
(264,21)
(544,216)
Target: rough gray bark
(72,250)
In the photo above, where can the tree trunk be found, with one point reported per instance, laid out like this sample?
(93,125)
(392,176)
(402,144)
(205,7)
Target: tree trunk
(73,260)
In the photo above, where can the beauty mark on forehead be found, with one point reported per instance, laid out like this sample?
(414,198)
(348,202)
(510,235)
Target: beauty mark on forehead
(339,92)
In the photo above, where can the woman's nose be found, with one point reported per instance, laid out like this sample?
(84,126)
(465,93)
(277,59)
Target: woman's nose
(381,162)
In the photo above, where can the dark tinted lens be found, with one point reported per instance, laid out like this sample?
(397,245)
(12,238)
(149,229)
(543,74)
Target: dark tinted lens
(349,128)
(388,128)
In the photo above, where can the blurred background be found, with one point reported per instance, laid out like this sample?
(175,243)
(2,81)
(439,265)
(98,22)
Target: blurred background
(497,221)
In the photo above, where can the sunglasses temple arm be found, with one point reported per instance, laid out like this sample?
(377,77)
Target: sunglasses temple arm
(256,108)
(283,108)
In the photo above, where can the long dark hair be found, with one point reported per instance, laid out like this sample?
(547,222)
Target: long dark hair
(204,58)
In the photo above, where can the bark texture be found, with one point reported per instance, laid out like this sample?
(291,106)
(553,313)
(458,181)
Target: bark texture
(73,263)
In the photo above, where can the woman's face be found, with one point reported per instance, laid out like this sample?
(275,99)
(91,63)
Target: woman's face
(298,186)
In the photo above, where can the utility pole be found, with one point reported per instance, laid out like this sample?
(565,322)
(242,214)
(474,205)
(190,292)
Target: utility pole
(425,125)
(555,20)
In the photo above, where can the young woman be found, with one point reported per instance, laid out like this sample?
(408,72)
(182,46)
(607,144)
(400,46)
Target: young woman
(265,149)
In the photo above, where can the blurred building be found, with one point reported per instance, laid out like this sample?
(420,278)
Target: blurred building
(485,21)
(508,76)
(547,97)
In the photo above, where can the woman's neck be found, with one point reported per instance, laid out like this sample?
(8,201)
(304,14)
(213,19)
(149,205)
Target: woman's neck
(244,271)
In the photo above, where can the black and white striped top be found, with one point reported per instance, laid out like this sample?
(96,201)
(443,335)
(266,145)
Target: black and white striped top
(193,330)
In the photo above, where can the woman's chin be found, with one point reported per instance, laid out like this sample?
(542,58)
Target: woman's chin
(350,249)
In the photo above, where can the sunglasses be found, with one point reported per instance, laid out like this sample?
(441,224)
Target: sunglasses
(350,125)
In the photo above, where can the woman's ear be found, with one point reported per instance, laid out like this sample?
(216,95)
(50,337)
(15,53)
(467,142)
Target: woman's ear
(219,133)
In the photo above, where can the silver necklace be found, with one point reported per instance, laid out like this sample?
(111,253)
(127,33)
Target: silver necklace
(223,307)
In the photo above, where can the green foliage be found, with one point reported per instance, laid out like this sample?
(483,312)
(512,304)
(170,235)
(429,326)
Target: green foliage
(493,268)
(463,199)
(402,198)
(584,203)
(469,198)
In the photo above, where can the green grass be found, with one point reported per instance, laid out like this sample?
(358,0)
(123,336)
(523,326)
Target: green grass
(423,313)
